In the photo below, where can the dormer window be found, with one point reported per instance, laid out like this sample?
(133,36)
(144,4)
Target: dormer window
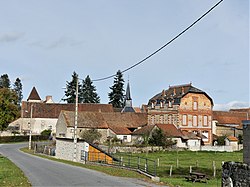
(161,104)
(170,104)
(152,105)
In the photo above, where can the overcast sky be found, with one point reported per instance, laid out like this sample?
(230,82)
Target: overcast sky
(42,42)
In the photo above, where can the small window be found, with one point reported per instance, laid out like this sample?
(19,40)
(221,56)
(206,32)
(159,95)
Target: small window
(152,105)
(205,121)
(125,138)
(170,104)
(161,104)
(195,105)
(184,119)
(195,122)
(72,130)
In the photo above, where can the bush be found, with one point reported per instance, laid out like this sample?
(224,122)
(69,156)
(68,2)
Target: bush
(7,139)
(46,132)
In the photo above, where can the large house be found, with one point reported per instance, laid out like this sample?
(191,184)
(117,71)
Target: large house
(185,106)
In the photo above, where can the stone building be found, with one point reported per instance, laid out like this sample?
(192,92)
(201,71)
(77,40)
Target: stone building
(187,107)
(109,124)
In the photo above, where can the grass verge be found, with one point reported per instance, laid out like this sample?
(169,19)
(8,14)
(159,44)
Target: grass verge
(10,174)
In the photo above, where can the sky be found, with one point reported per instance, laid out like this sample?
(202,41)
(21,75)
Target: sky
(43,42)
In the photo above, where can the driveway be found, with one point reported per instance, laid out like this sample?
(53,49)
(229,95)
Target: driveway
(43,172)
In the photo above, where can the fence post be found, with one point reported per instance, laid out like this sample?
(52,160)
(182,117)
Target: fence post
(171,169)
(158,163)
(190,169)
(138,162)
(129,157)
(154,168)
(146,165)
(196,163)
(214,171)
(121,160)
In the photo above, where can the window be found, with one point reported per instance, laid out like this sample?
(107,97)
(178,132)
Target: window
(170,104)
(195,105)
(152,119)
(170,119)
(72,130)
(205,121)
(161,103)
(125,138)
(161,119)
(184,119)
(152,105)
(195,121)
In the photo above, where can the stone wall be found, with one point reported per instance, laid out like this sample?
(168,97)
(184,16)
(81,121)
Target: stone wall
(235,174)
(246,143)
(65,150)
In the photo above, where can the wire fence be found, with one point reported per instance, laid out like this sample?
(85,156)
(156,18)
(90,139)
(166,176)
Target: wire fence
(128,161)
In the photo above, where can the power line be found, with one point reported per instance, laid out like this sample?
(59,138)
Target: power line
(165,45)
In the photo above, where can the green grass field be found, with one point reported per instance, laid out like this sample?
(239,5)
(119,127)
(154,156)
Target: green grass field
(10,174)
(200,161)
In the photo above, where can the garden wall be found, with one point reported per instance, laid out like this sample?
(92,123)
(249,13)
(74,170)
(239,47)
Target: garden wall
(235,174)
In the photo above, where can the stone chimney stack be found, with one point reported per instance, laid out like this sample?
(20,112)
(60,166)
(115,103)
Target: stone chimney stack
(49,99)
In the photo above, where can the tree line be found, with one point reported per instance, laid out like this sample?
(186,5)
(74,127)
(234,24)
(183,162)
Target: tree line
(10,100)
(87,91)
(11,95)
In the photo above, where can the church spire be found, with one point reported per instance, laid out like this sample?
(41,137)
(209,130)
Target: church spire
(128,101)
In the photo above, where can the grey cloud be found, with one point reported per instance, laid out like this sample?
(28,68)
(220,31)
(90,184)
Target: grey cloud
(10,37)
(60,42)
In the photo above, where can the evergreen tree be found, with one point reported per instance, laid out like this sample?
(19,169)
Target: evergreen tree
(116,96)
(4,81)
(70,92)
(88,92)
(18,88)
(8,107)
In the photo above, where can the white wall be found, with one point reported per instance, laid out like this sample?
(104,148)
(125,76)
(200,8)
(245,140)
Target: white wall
(121,137)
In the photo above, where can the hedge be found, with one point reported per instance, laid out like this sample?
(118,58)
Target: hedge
(7,139)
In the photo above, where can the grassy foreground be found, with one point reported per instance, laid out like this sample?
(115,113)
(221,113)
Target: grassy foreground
(10,174)
(207,162)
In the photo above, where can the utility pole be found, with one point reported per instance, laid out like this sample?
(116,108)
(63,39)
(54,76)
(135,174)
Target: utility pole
(31,111)
(76,117)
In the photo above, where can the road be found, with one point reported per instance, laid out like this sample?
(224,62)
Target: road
(44,172)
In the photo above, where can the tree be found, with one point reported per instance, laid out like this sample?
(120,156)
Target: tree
(4,81)
(88,92)
(18,88)
(91,135)
(8,107)
(70,92)
(158,138)
(116,96)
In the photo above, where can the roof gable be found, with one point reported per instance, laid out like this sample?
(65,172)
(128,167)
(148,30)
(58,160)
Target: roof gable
(34,95)
(170,130)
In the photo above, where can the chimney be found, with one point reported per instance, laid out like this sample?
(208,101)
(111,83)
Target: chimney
(49,99)
(182,90)
(174,91)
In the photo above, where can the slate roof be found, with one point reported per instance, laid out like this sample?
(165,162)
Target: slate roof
(34,95)
(175,93)
(113,120)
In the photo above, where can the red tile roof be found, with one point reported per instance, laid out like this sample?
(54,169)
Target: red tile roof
(120,130)
(143,130)
(170,130)
(232,138)
(52,110)
(225,117)
(113,120)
